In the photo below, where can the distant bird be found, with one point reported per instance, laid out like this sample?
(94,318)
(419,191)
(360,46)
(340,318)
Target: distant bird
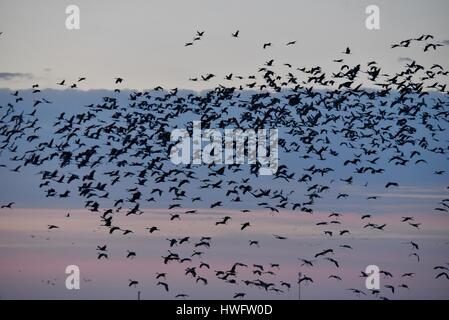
(279,237)
(446,275)
(414,245)
(163,284)
(245,225)
(185,239)
(409,274)
(111,230)
(235,34)
(416,225)
(357,291)
(133,283)
(9,205)
(102,255)
(239,295)
(391,184)
(305,279)
(388,286)
(324,252)
(172,242)
(265,45)
(432,46)
(223,221)
(254,243)
(306,262)
(130,254)
(152,229)
(216,204)
(203,280)
(333,261)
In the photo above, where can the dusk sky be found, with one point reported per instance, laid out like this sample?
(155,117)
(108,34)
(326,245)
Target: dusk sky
(143,41)
(74,157)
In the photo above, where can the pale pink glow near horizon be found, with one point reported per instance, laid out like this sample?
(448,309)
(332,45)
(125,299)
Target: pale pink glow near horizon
(27,263)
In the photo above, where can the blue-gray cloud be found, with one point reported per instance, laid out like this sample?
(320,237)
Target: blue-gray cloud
(14,75)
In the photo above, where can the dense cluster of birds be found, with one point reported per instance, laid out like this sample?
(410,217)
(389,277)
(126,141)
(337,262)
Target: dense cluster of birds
(425,37)
(360,117)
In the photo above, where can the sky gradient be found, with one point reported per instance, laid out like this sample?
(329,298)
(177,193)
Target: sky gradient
(143,42)
(28,263)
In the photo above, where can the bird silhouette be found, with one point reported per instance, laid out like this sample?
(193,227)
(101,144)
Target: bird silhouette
(9,205)
(163,284)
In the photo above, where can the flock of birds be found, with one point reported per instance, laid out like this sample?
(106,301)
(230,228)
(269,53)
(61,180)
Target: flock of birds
(326,119)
